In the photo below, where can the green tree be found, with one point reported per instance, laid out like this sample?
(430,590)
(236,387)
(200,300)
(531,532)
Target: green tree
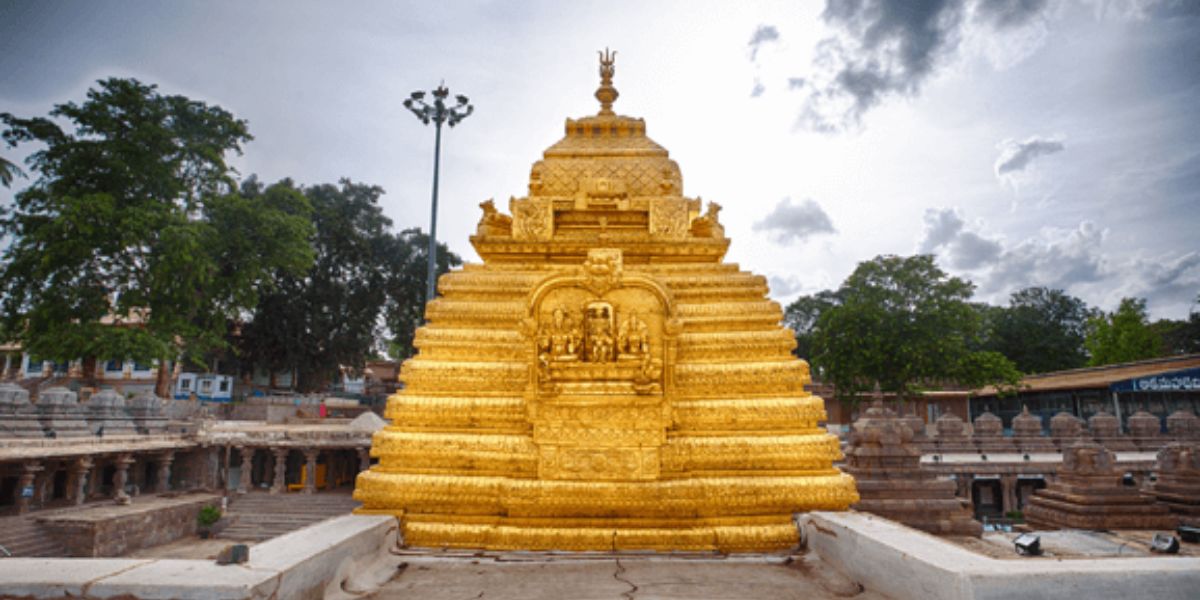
(130,242)
(333,315)
(9,172)
(1122,336)
(802,316)
(1040,330)
(407,288)
(902,323)
(1179,336)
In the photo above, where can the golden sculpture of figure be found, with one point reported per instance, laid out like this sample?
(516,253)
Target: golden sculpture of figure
(559,339)
(600,341)
(709,225)
(603,379)
(634,336)
(492,222)
(560,336)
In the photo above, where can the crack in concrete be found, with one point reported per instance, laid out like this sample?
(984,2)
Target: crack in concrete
(633,588)
(86,588)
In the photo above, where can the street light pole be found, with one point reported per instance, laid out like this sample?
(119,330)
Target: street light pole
(438,112)
(431,283)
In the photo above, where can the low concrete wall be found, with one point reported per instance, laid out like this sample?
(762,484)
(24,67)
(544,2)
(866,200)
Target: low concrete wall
(303,564)
(110,532)
(906,563)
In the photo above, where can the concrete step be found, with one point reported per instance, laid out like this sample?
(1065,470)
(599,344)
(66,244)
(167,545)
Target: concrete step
(258,517)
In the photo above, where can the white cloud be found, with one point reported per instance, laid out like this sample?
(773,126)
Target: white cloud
(762,35)
(1055,258)
(788,223)
(784,286)
(945,234)
(1077,260)
(1017,156)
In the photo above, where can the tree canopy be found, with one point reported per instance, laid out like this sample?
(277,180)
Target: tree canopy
(802,316)
(9,172)
(132,242)
(362,280)
(1123,335)
(1040,330)
(903,324)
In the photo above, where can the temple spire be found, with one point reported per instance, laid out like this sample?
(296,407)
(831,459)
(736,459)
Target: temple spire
(606,93)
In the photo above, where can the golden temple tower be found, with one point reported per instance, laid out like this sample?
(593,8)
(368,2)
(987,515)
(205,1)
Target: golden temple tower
(603,381)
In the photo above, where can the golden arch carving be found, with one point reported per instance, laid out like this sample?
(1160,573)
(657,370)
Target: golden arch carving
(602,354)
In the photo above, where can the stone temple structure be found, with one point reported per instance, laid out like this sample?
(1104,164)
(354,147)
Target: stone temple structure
(1089,494)
(1178,484)
(603,380)
(886,465)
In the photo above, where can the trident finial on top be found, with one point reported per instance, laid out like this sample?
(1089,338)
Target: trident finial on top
(606,93)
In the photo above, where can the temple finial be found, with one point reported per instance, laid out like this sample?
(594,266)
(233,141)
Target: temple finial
(606,93)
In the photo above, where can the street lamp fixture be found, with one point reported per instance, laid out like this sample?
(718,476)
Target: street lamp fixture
(438,111)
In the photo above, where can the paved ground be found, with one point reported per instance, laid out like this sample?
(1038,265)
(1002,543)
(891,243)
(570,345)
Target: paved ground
(610,578)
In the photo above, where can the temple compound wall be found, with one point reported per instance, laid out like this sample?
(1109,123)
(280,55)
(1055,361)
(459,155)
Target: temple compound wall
(998,471)
(59,453)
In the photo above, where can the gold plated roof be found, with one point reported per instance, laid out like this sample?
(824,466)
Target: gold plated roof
(608,148)
(603,381)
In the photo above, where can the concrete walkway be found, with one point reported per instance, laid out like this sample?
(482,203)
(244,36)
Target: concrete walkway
(609,578)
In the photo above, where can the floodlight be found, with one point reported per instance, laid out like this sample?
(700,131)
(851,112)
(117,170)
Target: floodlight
(1028,544)
(1189,533)
(1164,543)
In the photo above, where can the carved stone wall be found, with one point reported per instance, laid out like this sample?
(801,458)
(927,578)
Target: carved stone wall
(891,483)
(1178,484)
(1089,494)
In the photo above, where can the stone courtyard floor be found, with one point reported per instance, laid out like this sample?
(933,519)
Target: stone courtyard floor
(765,577)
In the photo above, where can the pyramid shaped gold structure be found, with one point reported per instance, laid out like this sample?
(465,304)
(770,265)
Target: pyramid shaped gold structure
(603,381)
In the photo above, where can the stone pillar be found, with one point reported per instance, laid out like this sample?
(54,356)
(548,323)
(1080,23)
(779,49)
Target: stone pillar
(364,459)
(121,477)
(1008,493)
(29,471)
(245,474)
(227,479)
(333,467)
(310,470)
(93,481)
(79,478)
(968,488)
(164,471)
(280,484)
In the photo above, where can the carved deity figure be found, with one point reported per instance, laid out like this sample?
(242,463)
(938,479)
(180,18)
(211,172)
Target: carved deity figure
(633,337)
(709,225)
(600,342)
(560,338)
(493,222)
(1087,459)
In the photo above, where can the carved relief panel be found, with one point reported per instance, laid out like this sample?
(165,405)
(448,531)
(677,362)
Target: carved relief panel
(533,218)
(602,345)
(669,218)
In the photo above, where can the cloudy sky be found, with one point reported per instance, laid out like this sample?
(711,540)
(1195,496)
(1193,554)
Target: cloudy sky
(1024,142)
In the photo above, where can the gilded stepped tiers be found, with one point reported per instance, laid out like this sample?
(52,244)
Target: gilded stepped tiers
(603,380)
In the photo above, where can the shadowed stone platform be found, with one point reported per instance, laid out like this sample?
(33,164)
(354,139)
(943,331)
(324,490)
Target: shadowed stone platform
(1089,494)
